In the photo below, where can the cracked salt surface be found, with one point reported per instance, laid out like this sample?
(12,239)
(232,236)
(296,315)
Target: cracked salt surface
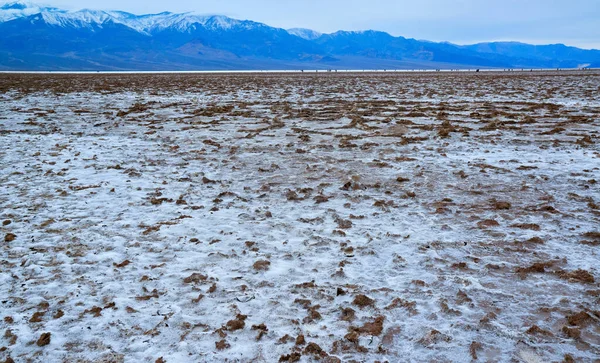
(224,217)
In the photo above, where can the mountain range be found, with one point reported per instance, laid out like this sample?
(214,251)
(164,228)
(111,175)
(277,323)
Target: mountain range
(34,37)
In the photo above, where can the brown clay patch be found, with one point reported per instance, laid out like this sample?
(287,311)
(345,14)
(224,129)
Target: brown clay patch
(195,278)
(43,340)
(348,314)
(488,223)
(530,226)
(474,348)
(315,350)
(363,301)
(373,328)
(582,276)
(261,265)
(292,357)
(222,345)
(237,324)
(536,330)
(581,318)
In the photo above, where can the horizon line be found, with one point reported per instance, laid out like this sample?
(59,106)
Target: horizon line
(326,71)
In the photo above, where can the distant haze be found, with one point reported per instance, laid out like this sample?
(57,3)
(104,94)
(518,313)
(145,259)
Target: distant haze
(572,22)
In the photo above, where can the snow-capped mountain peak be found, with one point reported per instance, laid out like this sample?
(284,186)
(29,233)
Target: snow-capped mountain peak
(148,23)
(78,19)
(307,34)
(182,22)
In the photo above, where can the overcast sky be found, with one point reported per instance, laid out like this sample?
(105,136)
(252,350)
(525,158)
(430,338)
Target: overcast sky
(573,22)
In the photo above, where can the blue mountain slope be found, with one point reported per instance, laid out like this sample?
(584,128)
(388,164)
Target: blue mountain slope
(558,55)
(45,38)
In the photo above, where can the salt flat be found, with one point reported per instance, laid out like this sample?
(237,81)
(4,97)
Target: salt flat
(297,217)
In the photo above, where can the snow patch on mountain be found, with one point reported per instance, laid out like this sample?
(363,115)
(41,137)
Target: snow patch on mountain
(79,19)
(307,34)
(185,22)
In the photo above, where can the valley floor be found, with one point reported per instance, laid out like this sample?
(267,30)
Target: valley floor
(447,217)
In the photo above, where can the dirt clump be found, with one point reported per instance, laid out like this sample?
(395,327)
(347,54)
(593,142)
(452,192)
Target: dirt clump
(122,264)
(582,276)
(538,267)
(262,265)
(363,301)
(460,266)
(488,223)
(206,180)
(95,311)
(463,298)
(573,333)
(591,238)
(321,199)
(313,314)
(581,318)
(474,348)
(237,324)
(43,340)
(348,314)
(11,337)
(37,317)
(535,240)
(530,226)
(592,235)
(536,330)
(285,339)
(292,196)
(195,278)
(352,336)
(344,223)
(292,357)
(315,350)
(500,205)
(373,328)
(411,306)
(222,345)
